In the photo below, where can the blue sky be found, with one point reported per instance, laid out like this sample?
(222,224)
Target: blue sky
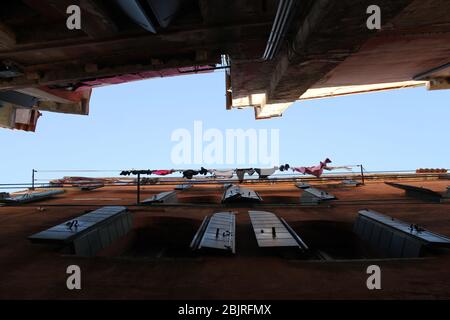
(130,126)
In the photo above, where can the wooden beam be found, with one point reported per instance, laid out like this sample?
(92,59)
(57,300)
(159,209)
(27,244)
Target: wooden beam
(7,37)
(98,21)
(44,9)
(44,35)
(72,74)
(196,34)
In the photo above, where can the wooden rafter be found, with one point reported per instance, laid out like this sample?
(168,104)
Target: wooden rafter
(7,37)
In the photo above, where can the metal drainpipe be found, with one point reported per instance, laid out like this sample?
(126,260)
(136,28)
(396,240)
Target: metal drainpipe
(279,28)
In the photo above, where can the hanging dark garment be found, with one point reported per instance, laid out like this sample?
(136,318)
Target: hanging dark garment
(135,172)
(241,173)
(188,174)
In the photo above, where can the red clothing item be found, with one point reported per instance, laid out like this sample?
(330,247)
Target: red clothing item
(315,170)
(162,172)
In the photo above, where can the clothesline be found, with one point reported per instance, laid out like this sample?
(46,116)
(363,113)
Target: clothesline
(241,172)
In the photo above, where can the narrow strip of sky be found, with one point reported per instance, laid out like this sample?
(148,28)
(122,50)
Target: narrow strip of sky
(130,126)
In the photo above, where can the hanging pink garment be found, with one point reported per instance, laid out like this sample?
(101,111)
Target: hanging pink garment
(315,170)
(162,172)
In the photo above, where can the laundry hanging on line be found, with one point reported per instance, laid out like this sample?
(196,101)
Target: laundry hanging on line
(263,173)
(189,174)
(135,172)
(241,173)
(349,168)
(163,172)
(227,174)
(314,170)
